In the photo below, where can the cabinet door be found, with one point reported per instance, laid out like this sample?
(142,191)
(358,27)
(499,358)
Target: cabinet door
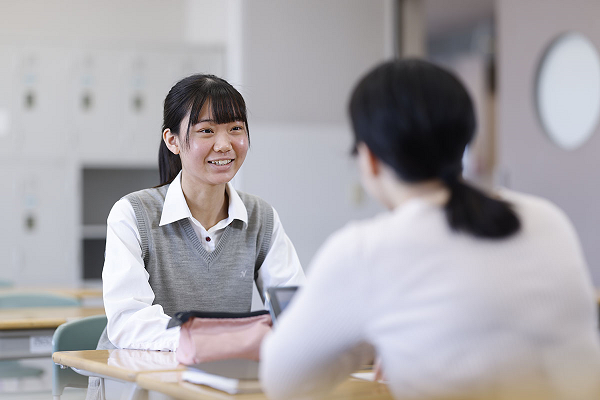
(7,67)
(9,253)
(38,98)
(144,84)
(44,224)
(94,106)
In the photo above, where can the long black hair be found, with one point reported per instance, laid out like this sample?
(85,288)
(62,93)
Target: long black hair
(188,96)
(418,118)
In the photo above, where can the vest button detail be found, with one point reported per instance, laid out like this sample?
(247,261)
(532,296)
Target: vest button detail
(208,238)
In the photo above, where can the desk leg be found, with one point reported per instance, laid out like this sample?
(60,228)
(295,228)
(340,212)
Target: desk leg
(133,392)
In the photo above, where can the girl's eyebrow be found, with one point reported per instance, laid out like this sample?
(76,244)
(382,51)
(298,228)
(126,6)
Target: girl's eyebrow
(204,120)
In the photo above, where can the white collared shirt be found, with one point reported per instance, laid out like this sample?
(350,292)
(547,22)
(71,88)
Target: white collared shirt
(133,322)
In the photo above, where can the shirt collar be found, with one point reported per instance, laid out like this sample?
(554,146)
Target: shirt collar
(175,207)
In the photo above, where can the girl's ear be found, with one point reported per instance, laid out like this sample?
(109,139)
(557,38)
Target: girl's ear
(172,141)
(368,161)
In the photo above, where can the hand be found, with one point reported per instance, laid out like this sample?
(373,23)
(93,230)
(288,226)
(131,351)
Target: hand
(378,369)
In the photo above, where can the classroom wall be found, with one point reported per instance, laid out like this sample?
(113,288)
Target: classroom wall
(57,51)
(294,61)
(299,62)
(527,159)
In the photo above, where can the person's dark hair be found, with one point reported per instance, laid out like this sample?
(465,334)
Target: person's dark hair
(418,118)
(189,96)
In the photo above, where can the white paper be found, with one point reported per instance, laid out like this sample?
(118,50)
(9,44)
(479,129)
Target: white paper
(367,376)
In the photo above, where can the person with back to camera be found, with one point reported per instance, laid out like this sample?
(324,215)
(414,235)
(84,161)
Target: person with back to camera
(462,294)
(194,242)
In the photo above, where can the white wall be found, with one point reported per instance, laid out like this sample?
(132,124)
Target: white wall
(299,63)
(75,21)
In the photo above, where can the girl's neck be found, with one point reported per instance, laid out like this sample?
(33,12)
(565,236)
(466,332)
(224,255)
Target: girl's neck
(395,192)
(208,204)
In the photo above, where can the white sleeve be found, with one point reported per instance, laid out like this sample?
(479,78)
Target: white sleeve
(133,322)
(319,340)
(281,266)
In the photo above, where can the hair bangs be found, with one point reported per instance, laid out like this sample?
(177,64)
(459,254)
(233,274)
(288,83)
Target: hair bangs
(226,105)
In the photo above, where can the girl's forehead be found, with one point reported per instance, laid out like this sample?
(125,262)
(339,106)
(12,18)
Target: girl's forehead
(220,111)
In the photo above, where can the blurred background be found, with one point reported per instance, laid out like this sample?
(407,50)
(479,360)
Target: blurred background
(82,85)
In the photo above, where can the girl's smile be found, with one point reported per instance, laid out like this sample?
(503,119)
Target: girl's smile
(211,153)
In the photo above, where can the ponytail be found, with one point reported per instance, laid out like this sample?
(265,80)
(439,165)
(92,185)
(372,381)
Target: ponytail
(472,211)
(169,164)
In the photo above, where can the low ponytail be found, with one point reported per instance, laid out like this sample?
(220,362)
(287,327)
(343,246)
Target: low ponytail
(169,164)
(472,211)
(418,118)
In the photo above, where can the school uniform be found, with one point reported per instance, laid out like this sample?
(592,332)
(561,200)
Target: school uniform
(143,272)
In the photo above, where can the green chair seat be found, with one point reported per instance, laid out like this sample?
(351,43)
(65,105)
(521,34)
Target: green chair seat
(81,334)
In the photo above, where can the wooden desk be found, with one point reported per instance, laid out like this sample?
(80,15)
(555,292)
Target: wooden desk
(27,332)
(170,384)
(121,365)
(78,293)
(158,371)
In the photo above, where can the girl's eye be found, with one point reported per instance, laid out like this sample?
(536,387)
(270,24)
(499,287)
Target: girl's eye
(237,128)
(206,130)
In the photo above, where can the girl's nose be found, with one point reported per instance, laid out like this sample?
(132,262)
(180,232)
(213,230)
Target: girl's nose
(222,143)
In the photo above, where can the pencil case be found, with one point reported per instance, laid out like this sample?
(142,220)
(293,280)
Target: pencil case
(211,336)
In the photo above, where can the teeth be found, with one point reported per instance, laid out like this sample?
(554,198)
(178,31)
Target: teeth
(221,162)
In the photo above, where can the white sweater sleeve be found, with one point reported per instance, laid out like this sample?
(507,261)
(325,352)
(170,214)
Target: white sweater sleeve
(133,322)
(281,266)
(320,337)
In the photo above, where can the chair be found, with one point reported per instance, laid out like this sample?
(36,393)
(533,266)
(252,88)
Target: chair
(13,368)
(20,300)
(82,334)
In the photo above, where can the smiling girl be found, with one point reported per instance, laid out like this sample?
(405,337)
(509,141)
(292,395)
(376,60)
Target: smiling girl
(193,242)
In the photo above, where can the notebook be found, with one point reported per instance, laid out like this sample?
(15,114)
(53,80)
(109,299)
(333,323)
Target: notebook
(233,376)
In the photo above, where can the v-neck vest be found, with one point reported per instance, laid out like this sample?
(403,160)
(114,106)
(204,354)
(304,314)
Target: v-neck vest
(183,275)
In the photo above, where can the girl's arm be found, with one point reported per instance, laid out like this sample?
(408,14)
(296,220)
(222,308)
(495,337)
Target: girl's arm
(281,266)
(133,322)
(320,338)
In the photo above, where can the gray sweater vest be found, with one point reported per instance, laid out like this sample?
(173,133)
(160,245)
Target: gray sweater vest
(183,275)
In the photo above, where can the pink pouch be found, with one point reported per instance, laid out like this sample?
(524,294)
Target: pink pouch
(209,336)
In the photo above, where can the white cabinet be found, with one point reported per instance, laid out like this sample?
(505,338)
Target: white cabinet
(38,210)
(38,101)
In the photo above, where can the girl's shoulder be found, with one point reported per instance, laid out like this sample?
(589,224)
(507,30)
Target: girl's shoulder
(254,203)
(149,195)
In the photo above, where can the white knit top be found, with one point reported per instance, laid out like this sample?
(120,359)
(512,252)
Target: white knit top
(450,315)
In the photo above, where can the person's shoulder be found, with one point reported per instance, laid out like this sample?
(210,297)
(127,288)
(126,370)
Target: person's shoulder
(150,191)
(252,201)
(356,234)
(529,202)
(155,193)
(536,209)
